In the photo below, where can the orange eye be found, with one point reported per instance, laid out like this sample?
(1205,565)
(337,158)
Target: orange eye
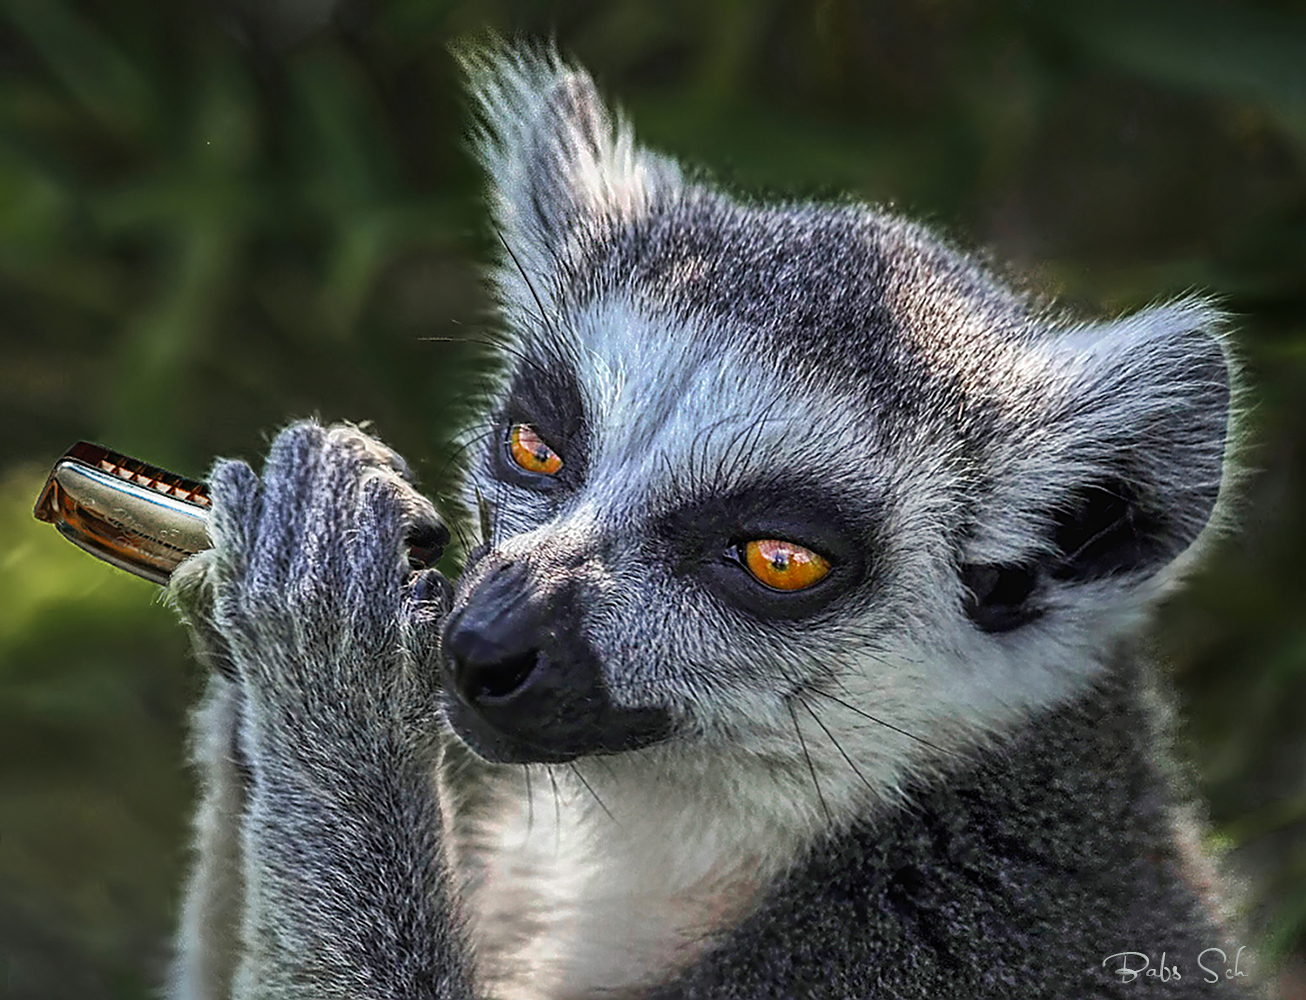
(530,452)
(784,565)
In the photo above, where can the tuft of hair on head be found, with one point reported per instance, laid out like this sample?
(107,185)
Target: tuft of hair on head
(559,162)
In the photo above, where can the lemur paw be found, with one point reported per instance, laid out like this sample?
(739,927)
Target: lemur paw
(316,589)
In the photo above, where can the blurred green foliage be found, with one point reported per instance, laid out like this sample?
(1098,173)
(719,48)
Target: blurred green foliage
(215,217)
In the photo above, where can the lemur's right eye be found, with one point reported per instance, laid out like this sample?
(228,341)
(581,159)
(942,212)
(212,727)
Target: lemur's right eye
(530,452)
(784,565)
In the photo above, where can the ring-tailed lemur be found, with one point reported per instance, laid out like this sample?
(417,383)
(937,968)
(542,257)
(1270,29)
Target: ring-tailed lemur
(799,660)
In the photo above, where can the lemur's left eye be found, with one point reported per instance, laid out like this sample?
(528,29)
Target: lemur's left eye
(530,452)
(783,565)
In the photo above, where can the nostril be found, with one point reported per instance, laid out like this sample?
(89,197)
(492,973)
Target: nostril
(493,681)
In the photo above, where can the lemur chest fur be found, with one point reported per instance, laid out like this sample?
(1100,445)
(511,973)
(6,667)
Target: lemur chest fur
(566,897)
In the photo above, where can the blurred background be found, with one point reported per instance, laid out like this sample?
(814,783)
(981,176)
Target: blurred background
(216,216)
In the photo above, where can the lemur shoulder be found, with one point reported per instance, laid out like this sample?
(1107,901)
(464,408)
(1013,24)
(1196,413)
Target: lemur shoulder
(800,657)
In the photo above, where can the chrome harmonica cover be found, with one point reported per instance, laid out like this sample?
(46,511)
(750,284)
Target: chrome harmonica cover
(138,517)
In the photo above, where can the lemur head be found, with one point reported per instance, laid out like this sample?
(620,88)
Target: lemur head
(786,480)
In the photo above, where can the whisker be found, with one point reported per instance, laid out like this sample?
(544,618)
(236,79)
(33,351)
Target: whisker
(460,532)
(501,346)
(483,516)
(881,722)
(817,719)
(526,278)
(500,489)
(530,804)
(473,432)
(581,778)
(810,766)
(460,449)
(557,810)
(746,441)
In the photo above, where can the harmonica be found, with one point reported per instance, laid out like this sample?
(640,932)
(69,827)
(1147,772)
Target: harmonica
(135,516)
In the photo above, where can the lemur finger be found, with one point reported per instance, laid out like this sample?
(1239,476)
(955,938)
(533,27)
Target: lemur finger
(428,595)
(389,513)
(429,590)
(367,450)
(198,585)
(426,543)
(320,565)
(191,593)
(290,479)
(233,526)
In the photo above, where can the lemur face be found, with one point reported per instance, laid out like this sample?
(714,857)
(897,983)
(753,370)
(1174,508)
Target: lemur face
(796,478)
(677,530)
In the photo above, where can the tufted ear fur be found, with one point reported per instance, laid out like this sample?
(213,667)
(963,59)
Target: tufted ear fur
(559,164)
(1152,393)
(1119,467)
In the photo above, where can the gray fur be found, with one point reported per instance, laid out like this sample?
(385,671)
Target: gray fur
(911,782)
(215,903)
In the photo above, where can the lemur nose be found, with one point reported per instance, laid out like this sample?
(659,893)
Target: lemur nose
(495,680)
(491,645)
(522,682)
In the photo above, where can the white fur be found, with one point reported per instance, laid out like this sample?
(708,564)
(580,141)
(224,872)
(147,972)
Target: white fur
(616,871)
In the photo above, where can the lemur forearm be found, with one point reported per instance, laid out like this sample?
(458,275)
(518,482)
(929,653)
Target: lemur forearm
(208,947)
(326,644)
(346,887)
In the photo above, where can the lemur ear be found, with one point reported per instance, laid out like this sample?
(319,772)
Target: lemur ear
(1114,466)
(1141,413)
(559,164)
